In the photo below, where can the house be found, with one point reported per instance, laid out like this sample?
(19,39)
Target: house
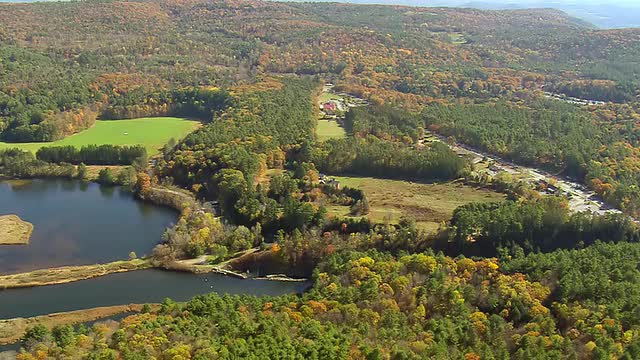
(325,180)
(333,182)
(547,187)
(340,105)
(329,108)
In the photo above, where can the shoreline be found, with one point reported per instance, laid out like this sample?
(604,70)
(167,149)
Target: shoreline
(67,274)
(196,266)
(16,231)
(12,330)
(160,196)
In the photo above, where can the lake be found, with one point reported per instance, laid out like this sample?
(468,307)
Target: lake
(78,223)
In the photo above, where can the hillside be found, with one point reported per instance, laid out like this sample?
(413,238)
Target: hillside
(91,60)
(346,204)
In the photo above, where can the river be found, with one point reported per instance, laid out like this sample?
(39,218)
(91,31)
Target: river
(83,223)
(78,223)
(135,287)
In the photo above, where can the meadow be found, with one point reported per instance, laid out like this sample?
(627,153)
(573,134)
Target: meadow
(151,132)
(428,204)
(326,96)
(329,129)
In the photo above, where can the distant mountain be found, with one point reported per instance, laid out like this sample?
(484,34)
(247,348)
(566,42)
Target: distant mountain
(603,14)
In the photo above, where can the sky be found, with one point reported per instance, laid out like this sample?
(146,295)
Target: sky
(602,13)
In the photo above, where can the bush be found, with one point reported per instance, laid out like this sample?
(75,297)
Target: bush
(105,177)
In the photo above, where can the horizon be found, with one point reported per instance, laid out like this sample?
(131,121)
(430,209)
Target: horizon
(230,179)
(602,14)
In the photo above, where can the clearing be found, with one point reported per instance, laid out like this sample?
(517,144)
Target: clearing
(428,204)
(457,38)
(326,96)
(330,129)
(14,231)
(152,133)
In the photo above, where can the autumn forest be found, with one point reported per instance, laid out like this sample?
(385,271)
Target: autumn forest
(525,277)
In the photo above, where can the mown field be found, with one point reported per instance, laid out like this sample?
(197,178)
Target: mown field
(428,204)
(152,133)
(329,129)
(326,96)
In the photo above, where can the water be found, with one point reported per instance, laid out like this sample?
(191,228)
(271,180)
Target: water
(78,223)
(10,350)
(135,287)
(81,223)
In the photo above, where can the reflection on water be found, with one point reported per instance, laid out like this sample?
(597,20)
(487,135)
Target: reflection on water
(8,352)
(78,223)
(107,191)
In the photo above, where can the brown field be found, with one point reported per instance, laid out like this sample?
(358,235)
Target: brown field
(14,231)
(94,170)
(428,204)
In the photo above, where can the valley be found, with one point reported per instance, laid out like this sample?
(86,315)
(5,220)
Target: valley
(283,180)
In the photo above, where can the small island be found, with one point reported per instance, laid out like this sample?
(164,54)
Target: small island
(14,231)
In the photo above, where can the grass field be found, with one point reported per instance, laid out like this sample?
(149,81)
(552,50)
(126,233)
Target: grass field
(428,204)
(14,231)
(326,96)
(457,38)
(152,133)
(329,129)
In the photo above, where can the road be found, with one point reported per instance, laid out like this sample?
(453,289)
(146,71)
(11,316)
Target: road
(580,198)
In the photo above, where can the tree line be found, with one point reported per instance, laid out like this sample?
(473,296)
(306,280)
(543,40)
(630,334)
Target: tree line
(194,103)
(374,305)
(549,134)
(375,157)
(540,225)
(93,154)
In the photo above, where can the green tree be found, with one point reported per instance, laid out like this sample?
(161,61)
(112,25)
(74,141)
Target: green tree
(105,177)
(82,171)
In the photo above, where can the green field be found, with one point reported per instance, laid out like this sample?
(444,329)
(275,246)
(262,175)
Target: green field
(326,96)
(457,38)
(329,129)
(152,133)
(428,204)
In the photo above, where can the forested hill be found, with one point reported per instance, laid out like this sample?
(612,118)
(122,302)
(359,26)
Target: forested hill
(533,86)
(64,64)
